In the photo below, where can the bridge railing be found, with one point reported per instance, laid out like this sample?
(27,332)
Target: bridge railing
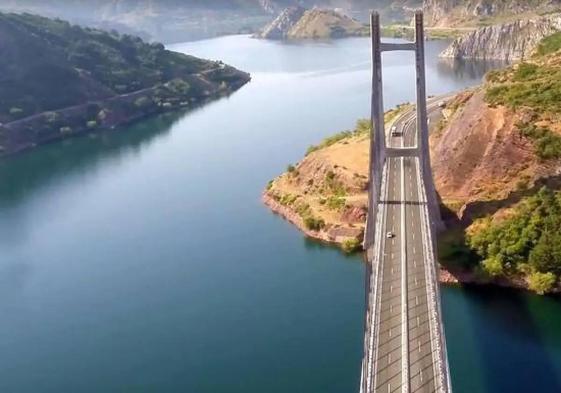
(373,274)
(435,309)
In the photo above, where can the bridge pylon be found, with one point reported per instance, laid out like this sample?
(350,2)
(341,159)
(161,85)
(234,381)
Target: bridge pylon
(379,151)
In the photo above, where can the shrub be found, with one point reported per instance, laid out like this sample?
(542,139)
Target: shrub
(314,224)
(335,202)
(351,245)
(288,199)
(547,145)
(541,283)
(493,266)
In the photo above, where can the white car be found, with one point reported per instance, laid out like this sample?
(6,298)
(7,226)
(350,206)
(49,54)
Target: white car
(395,132)
(390,235)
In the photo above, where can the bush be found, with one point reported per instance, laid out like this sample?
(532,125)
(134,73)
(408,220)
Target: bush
(288,199)
(547,145)
(351,245)
(335,202)
(541,283)
(493,266)
(314,224)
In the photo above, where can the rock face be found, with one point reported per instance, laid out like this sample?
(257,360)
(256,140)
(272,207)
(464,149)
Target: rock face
(447,13)
(282,25)
(510,41)
(298,23)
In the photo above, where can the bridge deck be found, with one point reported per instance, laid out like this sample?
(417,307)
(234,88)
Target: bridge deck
(403,351)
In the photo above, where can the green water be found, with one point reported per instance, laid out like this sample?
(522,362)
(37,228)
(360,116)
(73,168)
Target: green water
(143,260)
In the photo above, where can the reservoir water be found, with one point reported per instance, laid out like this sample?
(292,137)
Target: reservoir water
(143,260)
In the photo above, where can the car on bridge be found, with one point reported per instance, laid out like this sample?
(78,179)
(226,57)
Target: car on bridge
(395,131)
(390,235)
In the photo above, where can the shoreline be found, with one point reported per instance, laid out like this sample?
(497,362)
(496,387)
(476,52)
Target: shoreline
(446,276)
(19,136)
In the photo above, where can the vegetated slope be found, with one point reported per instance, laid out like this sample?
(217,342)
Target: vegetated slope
(49,65)
(298,23)
(500,146)
(508,41)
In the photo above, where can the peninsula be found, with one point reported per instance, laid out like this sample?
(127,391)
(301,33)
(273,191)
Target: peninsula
(60,80)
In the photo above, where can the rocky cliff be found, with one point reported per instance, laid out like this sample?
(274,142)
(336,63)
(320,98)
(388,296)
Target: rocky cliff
(448,13)
(298,23)
(510,41)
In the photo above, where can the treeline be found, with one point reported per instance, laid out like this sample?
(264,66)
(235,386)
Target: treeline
(527,243)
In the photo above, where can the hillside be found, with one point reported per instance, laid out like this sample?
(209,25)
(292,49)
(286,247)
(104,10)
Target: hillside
(176,20)
(299,23)
(59,79)
(476,13)
(496,156)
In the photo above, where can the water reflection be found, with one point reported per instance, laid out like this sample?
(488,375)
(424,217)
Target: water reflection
(467,69)
(23,175)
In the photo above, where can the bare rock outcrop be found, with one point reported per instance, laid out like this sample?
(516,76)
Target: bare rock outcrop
(299,23)
(508,42)
(282,25)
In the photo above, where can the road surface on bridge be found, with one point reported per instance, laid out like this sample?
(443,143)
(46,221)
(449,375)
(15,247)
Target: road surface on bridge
(403,354)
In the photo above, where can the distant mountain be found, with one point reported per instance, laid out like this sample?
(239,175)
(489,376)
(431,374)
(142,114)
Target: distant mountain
(58,80)
(180,20)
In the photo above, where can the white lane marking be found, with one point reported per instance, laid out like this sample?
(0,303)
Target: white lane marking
(404,314)
(418,342)
(390,332)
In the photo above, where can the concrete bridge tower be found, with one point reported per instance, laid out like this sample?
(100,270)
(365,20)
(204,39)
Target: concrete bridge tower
(378,148)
